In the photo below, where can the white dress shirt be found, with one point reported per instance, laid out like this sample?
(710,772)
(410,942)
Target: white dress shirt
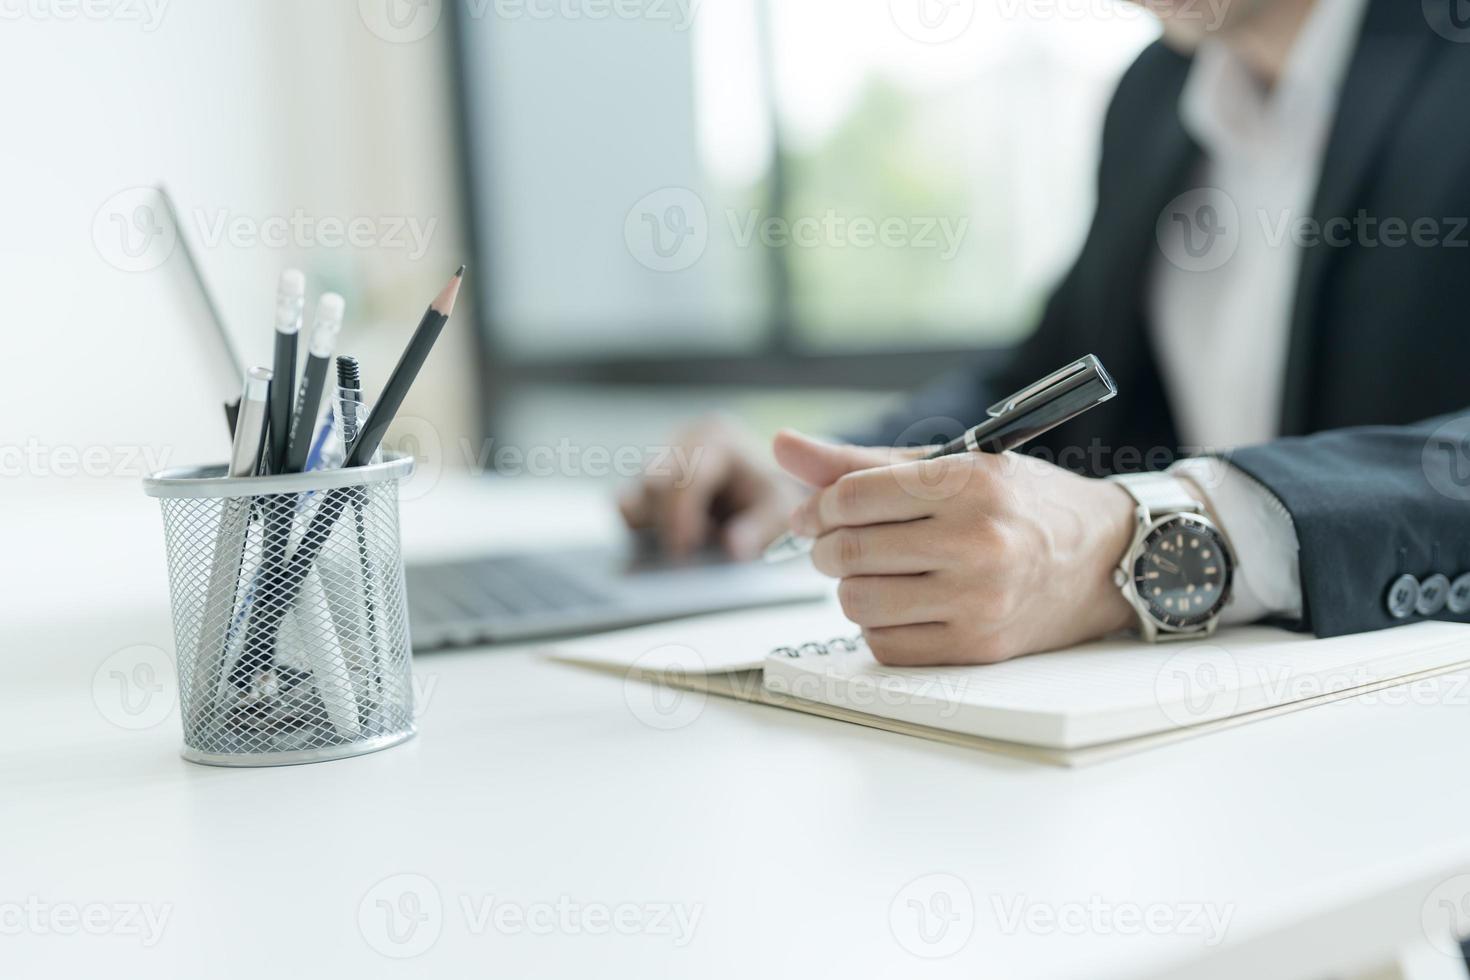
(1220,317)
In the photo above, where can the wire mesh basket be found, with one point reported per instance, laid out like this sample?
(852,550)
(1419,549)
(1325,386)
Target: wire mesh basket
(289,612)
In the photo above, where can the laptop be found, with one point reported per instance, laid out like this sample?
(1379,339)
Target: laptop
(531,595)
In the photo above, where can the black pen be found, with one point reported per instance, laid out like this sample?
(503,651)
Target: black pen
(1062,395)
(349,411)
(349,394)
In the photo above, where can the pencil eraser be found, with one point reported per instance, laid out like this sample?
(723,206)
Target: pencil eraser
(329,308)
(328,324)
(293,283)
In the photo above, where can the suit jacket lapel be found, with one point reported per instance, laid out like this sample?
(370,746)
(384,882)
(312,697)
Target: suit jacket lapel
(1162,174)
(1391,51)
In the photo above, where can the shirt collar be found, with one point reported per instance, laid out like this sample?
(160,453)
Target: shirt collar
(1230,114)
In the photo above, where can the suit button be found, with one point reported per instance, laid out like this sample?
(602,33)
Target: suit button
(1403,594)
(1459,595)
(1433,592)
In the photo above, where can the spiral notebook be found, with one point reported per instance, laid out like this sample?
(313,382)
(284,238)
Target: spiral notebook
(1071,707)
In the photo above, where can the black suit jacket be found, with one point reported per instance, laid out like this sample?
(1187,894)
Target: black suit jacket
(1379,351)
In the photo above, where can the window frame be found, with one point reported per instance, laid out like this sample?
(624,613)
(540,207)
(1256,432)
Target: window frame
(779,361)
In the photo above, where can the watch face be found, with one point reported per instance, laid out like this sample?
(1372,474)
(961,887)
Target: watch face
(1182,573)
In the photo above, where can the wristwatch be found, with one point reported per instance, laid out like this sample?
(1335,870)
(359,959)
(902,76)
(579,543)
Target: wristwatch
(1178,570)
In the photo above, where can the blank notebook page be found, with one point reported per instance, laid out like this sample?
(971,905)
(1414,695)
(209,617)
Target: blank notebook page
(1118,688)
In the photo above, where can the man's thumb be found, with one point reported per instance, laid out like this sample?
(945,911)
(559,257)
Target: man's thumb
(819,464)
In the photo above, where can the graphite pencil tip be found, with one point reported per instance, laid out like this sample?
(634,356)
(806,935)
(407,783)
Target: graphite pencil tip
(444,302)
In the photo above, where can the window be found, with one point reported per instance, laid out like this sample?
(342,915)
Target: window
(976,154)
(778,180)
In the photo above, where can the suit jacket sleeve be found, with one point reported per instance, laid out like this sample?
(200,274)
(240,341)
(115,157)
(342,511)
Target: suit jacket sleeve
(1369,505)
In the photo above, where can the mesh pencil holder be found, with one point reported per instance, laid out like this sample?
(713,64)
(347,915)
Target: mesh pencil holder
(289,612)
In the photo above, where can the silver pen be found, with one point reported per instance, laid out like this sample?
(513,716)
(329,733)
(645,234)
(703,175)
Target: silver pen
(1012,422)
(230,540)
(250,424)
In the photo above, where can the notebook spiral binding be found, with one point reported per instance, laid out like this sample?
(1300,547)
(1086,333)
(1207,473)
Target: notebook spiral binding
(838,644)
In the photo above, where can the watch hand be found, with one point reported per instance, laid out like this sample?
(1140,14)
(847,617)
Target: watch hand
(1166,564)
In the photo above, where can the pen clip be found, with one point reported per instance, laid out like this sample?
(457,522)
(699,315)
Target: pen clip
(1010,404)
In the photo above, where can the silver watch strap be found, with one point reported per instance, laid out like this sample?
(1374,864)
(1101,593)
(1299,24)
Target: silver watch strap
(1158,493)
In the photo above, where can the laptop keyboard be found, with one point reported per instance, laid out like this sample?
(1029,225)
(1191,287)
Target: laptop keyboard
(510,585)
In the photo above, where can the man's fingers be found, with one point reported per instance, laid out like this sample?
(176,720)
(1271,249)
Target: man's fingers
(634,505)
(876,601)
(819,464)
(913,646)
(685,509)
(748,532)
(877,496)
(881,549)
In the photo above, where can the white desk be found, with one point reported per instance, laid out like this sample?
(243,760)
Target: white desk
(532,783)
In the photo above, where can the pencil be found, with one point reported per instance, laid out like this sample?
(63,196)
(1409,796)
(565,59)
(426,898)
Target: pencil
(275,510)
(323,339)
(404,373)
(290,301)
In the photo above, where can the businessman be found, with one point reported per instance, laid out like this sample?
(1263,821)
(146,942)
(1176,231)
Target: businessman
(1277,275)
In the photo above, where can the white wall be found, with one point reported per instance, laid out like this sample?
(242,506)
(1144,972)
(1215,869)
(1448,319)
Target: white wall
(249,112)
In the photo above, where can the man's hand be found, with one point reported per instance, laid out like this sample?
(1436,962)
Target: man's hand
(730,494)
(972,558)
